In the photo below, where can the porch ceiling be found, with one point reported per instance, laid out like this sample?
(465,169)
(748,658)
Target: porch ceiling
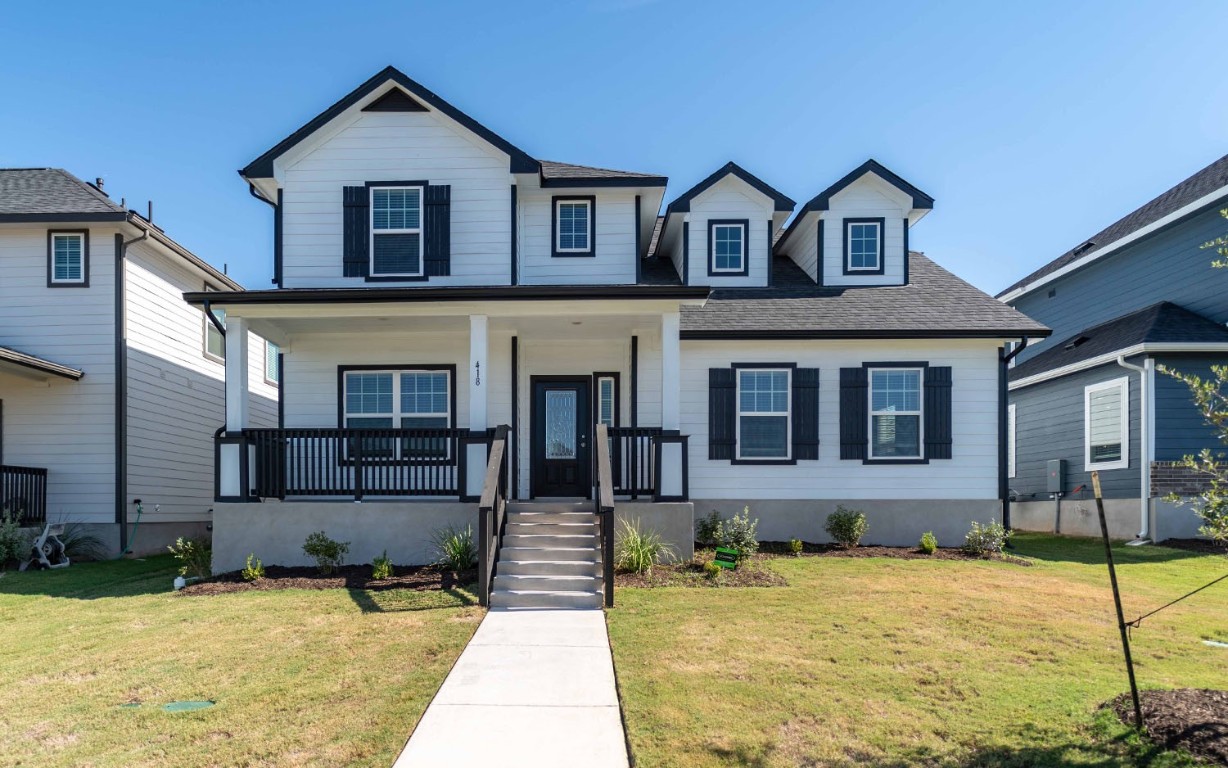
(578,326)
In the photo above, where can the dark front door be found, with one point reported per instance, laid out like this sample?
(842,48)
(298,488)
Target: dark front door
(560,436)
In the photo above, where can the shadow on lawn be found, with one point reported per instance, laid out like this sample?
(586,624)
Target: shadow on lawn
(1088,551)
(1053,756)
(400,600)
(92,581)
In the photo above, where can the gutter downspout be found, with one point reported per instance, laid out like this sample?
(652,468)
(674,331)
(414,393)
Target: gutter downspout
(1146,376)
(1004,491)
(121,383)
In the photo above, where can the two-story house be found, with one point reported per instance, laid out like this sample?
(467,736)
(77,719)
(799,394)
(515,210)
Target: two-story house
(436,283)
(1139,294)
(110,386)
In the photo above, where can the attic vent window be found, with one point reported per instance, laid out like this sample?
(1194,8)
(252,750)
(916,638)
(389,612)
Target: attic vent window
(1052,292)
(1075,342)
(1082,249)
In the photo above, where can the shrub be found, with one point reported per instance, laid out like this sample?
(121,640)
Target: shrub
(194,555)
(637,551)
(795,546)
(708,531)
(14,542)
(712,570)
(456,548)
(740,533)
(381,568)
(985,540)
(254,568)
(328,554)
(929,543)
(847,526)
(80,544)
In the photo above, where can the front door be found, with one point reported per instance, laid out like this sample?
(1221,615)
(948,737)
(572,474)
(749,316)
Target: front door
(560,461)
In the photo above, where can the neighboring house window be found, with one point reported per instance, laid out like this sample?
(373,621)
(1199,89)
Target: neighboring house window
(399,399)
(863,245)
(1107,424)
(763,413)
(272,369)
(727,247)
(396,231)
(895,413)
(67,258)
(215,342)
(573,226)
(1010,437)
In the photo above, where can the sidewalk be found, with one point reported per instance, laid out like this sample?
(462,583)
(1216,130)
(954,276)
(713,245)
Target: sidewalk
(532,688)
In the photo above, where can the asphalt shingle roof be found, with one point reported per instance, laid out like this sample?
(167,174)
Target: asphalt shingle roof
(1159,323)
(1201,184)
(934,303)
(553,170)
(42,191)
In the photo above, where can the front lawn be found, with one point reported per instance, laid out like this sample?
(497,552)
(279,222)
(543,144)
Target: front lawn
(299,677)
(889,662)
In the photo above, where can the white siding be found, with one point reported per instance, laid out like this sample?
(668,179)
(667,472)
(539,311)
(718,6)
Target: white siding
(730,198)
(398,146)
(615,224)
(868,197)
(971,473)
(67,427)
(803,245)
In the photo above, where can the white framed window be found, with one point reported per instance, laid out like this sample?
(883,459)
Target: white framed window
(67,258)
(895,413)
(863,246)
(605,401)
(396,231)
(215,342)
(764,429)
(399,399)
(728,247)
(272,367)
(1106,413)
(1010,440)
(573,226)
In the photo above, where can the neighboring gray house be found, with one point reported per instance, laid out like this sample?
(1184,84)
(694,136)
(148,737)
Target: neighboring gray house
(1139,294)
(110,388)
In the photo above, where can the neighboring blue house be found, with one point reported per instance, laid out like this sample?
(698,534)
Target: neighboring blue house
(1140,294)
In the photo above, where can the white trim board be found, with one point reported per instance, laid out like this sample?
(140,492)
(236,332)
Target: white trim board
(1110,357)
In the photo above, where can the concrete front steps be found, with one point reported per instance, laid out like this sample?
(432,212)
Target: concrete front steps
(550,557)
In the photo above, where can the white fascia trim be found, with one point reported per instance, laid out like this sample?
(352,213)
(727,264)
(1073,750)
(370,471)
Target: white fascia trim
(1111,357)
(1115,245)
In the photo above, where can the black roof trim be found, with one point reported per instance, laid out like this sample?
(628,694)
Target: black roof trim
(262,167)
(821,201)
(39,364)
(884,333)
(20,218)
(451,293)
(682,203)
(605,181)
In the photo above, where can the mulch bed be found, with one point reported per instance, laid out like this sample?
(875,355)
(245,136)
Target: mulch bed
(1201,546)
(416,577)
(751,572)
(1192,719)
(781,549)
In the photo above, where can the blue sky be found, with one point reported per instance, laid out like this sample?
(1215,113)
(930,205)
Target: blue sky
(1031,124)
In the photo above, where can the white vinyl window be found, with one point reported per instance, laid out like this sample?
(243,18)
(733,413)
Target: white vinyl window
(895,413)
(573,233)
(396,231)
(272,368)
(67,258)
(401,400)
(215,342)
(763,413)
(1010,438)
(1106,411)
(605,401)
(864,245)
(728,247)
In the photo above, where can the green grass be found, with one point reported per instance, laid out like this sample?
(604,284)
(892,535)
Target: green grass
(903,662)
(300,677)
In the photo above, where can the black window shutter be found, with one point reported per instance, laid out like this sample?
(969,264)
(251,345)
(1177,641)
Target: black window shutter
(806,414)
(438,221)
(356,232)
(722,414)
(854,432)
(938,412)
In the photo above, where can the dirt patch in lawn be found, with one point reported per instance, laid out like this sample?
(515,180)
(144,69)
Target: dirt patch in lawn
(416,577)
(751,572)
(1194,719)
(1201,546)
(781,549)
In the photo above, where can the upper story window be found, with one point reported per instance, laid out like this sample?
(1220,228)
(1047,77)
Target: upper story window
(400,399)
(272,363)
(68,258)
(727,247)
(1107,424)
(763,413)
(573,226)
(863,246)
(396,231)
(895,413)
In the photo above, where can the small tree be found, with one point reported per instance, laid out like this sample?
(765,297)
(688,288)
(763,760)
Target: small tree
(1211,397)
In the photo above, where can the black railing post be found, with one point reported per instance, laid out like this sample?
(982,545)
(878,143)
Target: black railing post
(357,453)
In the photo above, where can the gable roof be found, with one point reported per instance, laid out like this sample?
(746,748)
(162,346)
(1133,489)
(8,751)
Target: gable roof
(52,194)
(567,175)
(934,304)
(682,203)
(822,201)
(24,362)
(262,167)
(1162,323)
(1205,182)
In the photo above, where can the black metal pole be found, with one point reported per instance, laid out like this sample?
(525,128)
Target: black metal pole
(1121,618)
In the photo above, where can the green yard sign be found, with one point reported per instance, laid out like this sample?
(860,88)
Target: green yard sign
(726,557)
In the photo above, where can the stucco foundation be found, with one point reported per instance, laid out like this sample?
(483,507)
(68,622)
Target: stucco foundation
(674,522)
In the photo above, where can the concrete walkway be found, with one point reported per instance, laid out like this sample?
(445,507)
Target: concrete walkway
(532,688)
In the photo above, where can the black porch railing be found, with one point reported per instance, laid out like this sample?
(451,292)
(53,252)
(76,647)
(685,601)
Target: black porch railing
(23,495)
(635,462)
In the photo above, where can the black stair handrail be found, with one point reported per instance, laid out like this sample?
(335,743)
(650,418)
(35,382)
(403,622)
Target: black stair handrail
(603,506)
(492,513)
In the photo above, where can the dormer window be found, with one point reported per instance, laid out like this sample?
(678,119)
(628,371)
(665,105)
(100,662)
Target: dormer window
(573,226)
(396,231)
(727,247)
(863,246)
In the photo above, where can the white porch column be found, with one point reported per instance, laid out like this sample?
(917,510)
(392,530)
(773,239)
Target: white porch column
(479,378)
(670,481)
(231,458)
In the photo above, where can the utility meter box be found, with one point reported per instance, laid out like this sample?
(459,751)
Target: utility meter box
(1057,476)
